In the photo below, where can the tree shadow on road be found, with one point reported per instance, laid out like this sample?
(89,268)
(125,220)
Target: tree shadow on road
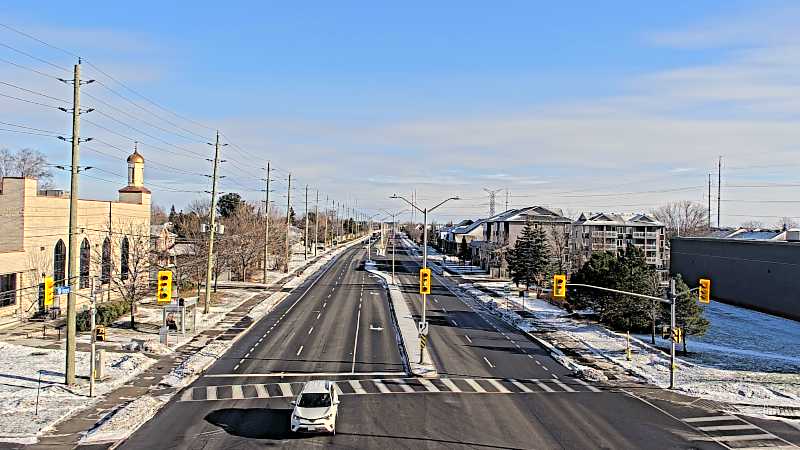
(253,423)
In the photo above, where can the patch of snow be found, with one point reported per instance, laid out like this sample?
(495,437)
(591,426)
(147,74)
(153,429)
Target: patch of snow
(125,421)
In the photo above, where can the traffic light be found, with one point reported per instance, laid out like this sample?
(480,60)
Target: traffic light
(425,281)
(677,335)
(49,286)
(704,292)
(164,292)
(559,286)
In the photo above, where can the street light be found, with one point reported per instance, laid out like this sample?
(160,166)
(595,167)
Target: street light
(424,212)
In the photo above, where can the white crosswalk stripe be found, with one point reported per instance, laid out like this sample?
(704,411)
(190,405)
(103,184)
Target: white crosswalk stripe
(406,386)
(736,432)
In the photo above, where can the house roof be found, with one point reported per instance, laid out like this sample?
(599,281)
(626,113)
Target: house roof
(535,213)
(615,219)
(464,229)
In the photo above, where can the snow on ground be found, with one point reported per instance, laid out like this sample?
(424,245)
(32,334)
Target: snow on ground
(746,358)
(20,367)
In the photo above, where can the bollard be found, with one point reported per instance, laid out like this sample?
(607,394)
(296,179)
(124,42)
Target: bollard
(100,364)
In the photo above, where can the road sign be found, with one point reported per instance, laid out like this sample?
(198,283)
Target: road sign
(425,281)
(704,292)
(677,335)
(423,341)
(559,286)
(48,291)
(62,290)
(423,328)
(164,292)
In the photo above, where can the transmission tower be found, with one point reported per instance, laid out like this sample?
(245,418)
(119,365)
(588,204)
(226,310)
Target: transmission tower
(492,195)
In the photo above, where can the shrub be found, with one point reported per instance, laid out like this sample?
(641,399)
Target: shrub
(107,313)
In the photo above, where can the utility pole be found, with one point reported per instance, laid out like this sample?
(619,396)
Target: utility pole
(92,345)
(719,188)
(288,223)
(266,227)
(72,252)
(672,327)
(316,223)
(507,195)
(305,236)
(327,219)
(709,201)
(212,227)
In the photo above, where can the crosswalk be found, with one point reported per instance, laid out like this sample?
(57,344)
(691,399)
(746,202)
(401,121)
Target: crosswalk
(736,433)
(394,386)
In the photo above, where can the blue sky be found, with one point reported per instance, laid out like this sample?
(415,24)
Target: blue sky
(362,100)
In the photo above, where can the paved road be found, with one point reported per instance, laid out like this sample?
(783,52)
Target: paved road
(496,388)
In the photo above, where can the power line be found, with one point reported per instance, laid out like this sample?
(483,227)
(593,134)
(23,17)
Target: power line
(44,61)
(29,101)
(34,92)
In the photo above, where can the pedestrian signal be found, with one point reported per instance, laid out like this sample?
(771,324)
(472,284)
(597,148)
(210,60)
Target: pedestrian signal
(49,286)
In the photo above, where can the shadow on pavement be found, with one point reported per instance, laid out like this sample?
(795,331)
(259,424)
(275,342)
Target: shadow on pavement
(253,423)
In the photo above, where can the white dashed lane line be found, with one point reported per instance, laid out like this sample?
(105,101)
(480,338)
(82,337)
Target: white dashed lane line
(470,340)
(299,350)
(310,330)
(488,362)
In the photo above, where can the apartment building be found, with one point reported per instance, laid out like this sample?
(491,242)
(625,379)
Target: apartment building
(598,232)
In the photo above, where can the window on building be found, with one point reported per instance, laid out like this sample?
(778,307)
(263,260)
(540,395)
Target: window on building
(60,263)
(105,269)
(123,266)
(8,289)
(85,261)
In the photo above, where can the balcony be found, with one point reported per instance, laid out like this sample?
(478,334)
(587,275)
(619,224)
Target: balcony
(651,260)
(651,235)
(638,235)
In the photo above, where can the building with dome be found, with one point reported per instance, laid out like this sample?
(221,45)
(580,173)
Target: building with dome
(34,238)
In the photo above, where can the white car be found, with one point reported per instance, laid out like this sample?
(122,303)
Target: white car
(316,407)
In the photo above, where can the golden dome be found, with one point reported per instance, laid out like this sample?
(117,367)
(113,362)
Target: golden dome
(135,158)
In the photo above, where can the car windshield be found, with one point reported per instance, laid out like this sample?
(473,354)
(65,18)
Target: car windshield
(314,400)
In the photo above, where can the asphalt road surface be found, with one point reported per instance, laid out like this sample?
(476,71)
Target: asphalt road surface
(496,388)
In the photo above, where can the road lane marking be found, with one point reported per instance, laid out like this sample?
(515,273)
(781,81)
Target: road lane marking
(310,330)
(500,388)
(286,389)
(211,392)
(403,385)
(302,374)
(247,355)
(355,340)
(428,385)
(299,350)
(357,387)
(521,386)
(318,315)
(241,360)
(236,392)
(589,386)
(474,385)
(488,362)
(563,386)
(744,437)
(470,340)
(444,309)
(381,387)
(261,391)
(325,304)
(450,385)
(236,367)
(545,368)
(543,386)
(455,324)
(728,427)
(710,418)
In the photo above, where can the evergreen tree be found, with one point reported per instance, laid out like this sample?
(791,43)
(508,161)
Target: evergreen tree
(463,250)
(529,259)
(173,216)
(228,203)
(688,312)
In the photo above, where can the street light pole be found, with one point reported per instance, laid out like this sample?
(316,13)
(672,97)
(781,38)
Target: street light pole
(424,212)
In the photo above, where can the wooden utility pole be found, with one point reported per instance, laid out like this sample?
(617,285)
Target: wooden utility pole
(72,252)
(266,227)
(212,228)
(316,223)
(288,223)
(305,235)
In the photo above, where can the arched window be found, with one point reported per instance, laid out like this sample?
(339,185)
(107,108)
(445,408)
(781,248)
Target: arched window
(59,263)
(84,263)
(123,266)
(105,265)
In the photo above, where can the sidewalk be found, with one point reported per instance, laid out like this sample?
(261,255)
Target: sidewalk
(144,394)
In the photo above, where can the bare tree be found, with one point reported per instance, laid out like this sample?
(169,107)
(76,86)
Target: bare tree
(558,236)
(244,238)
(28,163)
(6,163)
(786,223)
(129,262)
(158,215)
(683,218)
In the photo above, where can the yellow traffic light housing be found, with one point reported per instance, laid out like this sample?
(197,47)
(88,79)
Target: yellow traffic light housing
(677,335)
(425,281)
(704,292)
(164,291)
(49,287)
(559,286)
